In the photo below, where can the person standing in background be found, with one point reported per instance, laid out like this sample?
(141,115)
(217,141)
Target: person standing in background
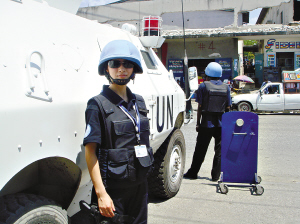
(213,97)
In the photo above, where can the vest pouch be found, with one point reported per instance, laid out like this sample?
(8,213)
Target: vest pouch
(120,164)
(145,164)
(146,161)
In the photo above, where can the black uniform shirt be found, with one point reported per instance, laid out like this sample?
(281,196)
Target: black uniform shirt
(93,114)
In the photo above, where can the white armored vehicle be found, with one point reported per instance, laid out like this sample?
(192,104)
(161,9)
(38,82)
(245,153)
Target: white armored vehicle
(48,70)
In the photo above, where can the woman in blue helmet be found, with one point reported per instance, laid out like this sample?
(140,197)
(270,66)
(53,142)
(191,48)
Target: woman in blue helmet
(116,141)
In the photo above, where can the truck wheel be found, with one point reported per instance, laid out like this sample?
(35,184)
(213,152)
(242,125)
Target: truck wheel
(244,106)
(30,209)
(165,180)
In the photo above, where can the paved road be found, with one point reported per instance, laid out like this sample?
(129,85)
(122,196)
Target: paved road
(278,165)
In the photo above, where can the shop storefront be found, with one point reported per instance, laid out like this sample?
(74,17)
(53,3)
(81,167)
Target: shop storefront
(278,49)
(200,53)
(280,55)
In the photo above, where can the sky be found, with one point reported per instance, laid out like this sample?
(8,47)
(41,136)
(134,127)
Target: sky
(86,3)
(254,16)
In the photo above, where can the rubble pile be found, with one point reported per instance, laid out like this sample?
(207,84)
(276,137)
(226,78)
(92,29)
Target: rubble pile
(228,31)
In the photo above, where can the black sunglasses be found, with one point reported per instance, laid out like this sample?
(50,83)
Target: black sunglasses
(117,64)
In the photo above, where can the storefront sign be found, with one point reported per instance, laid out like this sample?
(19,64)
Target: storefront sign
(271,60)
(291,76)
(235,67)
(297,60)
(272,44)
(226,67)
(176,65)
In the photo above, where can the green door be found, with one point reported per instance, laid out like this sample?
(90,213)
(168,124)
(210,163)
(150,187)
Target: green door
(259,68)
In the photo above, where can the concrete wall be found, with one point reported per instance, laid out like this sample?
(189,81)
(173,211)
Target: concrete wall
(192,20)
(274,14)
(199,19)
(203,48)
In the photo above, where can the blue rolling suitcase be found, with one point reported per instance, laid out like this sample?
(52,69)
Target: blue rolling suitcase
(239,149)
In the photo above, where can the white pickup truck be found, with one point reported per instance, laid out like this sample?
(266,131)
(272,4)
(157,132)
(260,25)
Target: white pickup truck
(271,97)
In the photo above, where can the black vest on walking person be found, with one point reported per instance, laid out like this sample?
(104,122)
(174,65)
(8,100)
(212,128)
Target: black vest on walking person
(215,101)
(119,165)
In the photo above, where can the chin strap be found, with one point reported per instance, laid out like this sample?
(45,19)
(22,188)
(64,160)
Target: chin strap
(120,82)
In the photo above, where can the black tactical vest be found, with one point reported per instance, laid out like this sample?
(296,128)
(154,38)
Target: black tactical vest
(215,101)
(119,165)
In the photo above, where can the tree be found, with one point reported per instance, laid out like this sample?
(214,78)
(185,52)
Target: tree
(247,54)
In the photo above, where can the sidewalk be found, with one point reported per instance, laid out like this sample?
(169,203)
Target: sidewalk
(194,104)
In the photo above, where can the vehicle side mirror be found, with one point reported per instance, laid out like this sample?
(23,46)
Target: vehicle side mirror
(193,78)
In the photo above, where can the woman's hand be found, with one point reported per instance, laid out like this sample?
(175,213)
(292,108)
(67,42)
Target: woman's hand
(106,206)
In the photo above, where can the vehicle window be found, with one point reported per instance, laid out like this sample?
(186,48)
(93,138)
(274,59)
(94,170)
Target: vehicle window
(148,60)
(291,88)
(274,89)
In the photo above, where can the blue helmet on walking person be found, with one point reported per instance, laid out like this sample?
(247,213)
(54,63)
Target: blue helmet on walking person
(213,69)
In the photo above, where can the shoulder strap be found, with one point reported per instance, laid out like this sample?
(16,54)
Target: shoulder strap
(141,103)
(99,99)
(208,85)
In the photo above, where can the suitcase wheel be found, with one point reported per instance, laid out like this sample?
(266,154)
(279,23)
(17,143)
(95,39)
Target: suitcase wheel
(223,188)
(259,190)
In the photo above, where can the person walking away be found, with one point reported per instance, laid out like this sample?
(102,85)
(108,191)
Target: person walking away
(116,141)
(265,82)
(213,99)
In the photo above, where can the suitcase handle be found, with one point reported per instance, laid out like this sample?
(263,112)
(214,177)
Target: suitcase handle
(252,133)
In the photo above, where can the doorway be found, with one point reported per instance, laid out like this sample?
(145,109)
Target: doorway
(285,61)
(200,64)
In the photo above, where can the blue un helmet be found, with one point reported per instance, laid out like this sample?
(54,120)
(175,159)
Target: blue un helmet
(120,49)
(213,69)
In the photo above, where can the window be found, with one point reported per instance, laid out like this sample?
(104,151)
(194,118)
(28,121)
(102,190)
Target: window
(148,60)
(274,89)
(291,87)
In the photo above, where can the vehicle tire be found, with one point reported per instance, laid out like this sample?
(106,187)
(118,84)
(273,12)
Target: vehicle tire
(30,209)
(244,106)
(169,162)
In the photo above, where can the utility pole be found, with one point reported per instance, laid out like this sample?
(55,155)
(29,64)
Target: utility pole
(188,108)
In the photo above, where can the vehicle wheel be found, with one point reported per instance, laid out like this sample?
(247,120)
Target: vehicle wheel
(30,209)
(169,161)
(244,106)
(223,188)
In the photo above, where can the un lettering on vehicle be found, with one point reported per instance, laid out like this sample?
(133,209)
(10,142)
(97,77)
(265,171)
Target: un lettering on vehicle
(164,112)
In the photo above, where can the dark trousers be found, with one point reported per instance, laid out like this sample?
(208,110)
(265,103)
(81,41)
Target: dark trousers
(203,140)
(131,201)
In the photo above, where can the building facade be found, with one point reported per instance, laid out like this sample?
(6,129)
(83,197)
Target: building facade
(209,30)
(285,14)
(281,52)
